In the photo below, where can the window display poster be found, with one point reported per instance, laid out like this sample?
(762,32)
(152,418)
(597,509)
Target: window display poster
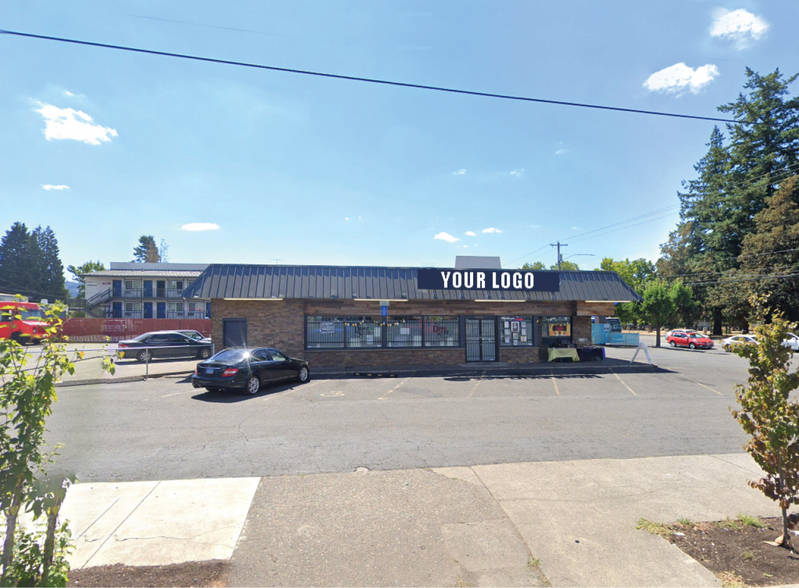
(515,326)
(507,324)
(523,338)
(507,339)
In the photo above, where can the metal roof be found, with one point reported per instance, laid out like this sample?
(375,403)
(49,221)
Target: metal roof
(382,283)
(144,273)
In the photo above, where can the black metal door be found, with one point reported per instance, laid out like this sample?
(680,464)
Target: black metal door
(481,339)
(234,332)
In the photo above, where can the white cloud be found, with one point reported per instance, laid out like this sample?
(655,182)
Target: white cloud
(576,229)
(346,218)
(680,78)
(561,151)
(49,187)
(460,172)
(534,226)
(491,230)
(737,25)
(517,172)
(200,227)
(68,123)
(446,237)
(470,234)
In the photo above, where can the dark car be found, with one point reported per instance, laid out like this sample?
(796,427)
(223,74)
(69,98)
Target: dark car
(248,369)
(164,344)
(690,339)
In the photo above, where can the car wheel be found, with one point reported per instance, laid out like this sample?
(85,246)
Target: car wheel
(253,385)
(303,374)
(204,353)
(672,343)
(692,346)
(143,356)
(725,347)
(211,389)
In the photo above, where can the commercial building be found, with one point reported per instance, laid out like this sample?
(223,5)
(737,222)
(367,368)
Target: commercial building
(381,316)
(144,291)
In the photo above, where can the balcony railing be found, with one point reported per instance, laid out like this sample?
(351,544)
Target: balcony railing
(174,293)
(132,293)
(176,314)
(133,314)
(197,314)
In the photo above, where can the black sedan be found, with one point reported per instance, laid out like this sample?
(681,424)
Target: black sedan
(164,344)
(248,370)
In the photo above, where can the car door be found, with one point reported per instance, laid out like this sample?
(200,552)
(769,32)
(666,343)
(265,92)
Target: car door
(261,364)
(282,366)
(157,344)
(181,346)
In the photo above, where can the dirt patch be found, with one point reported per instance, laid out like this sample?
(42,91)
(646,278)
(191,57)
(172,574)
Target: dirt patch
(204,573)
(735,550)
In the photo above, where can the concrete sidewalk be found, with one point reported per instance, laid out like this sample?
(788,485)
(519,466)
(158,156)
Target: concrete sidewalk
(567,523)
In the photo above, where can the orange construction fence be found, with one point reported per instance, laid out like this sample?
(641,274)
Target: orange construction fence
(88,330)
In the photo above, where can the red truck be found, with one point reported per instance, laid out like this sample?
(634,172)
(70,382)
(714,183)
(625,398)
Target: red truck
(24,322)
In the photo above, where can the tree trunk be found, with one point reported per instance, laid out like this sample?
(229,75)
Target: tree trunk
(12,515)
(786,537)
(717,322)
(657,336)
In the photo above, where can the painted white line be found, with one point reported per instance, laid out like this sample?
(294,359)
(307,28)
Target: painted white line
(394,388)
(173,394)
(477,384)
(701,384)
(623,384)
(555,383)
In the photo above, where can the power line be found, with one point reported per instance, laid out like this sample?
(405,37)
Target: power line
(367,80)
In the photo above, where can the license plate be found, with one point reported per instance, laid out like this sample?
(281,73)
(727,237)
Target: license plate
(209,370)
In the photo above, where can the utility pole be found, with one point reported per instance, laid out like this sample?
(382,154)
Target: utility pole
(559,245)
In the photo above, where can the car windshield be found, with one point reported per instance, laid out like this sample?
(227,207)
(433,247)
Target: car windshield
(231,355)
(141,337)
(695,336)
(193,335)
(28,314)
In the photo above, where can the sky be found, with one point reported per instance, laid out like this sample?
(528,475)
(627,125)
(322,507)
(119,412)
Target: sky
(231,164)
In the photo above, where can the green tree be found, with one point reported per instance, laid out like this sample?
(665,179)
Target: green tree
(17,257)
(637,274)
(537,265)
(770,255)
(146,251)
(30,263)
(51,271)
(81,270)
(770,416)
(658,306)
(26,398)
(684,305)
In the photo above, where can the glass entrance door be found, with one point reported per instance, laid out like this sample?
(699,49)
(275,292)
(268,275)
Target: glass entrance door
(481,339)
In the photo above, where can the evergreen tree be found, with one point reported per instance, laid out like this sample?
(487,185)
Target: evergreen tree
(146,251)
(50,269)
(18,257)
(771,253)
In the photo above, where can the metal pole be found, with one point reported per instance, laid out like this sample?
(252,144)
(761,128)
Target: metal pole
(559,245)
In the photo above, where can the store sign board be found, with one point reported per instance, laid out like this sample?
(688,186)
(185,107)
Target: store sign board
(488,279)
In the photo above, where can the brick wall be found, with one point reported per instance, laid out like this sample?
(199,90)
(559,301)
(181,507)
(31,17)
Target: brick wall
(281,324)
(270,323)
(581,326)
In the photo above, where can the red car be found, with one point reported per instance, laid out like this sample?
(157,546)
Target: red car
(690,339)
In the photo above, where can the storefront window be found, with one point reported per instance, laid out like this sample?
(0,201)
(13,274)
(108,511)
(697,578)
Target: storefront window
(324,332)
(516,331)
(441,331)
(363,332)
(556,330)
(404,331)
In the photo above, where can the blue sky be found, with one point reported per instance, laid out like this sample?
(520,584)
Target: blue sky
(104,146)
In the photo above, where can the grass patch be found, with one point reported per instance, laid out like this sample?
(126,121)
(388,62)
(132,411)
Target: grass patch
(654,528)
(751,521)
(730,524)
(731,580)
(748,555)
(687,523)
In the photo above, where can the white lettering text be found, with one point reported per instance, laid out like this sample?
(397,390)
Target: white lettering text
(445,277)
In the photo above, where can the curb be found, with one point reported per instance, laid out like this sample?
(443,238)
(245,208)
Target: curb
(409,372)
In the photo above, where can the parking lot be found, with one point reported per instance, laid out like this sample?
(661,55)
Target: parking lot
(164,428)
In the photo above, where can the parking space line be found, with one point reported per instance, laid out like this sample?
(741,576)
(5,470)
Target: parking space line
(701,384)
(623,384)
(480,379)
(300,387)
(555,382)
(394,388)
